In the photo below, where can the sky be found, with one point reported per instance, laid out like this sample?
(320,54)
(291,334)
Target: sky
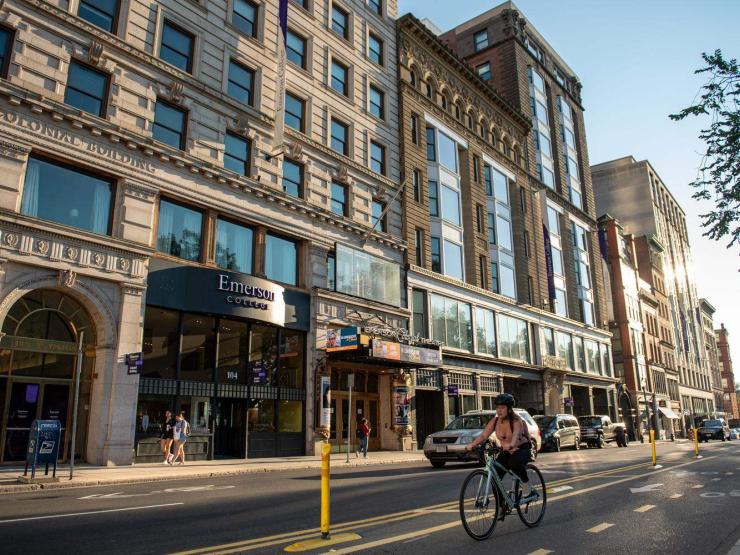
(636,60)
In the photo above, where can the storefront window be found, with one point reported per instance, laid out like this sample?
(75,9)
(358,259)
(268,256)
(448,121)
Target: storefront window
(513,338)
(198,347)
(263,355)
(150,413)
(580,354)
(179,231)
(234,247)
(565,347)
(451,323)
(363,275)
(67,196)
(161,343)
(291,359)
(290,416)
(469,403)
(233,348)
(592,354)
(548,346)
(261,415)
(281,259)
(485,333)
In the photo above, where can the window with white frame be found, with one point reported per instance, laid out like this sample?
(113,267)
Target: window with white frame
(451,322)
(556,251)
(564,346)
(500,235)
(583,272)
(485,331)
(570,156)
(541,128)
(513,338)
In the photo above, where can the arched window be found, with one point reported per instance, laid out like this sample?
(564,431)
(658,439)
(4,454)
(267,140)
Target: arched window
(412,78)
(429,90)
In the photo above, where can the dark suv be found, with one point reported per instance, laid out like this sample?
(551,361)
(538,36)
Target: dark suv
(560,430)
(598,430)
(714,429)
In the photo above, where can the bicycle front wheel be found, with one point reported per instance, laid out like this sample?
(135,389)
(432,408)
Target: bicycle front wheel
(478,505)
(531,508)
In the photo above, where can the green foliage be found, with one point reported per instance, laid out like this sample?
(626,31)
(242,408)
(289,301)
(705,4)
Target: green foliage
(719,174)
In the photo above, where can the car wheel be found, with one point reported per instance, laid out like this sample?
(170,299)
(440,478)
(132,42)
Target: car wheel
(577,443)
(556,445)
(437,463)
(600,443)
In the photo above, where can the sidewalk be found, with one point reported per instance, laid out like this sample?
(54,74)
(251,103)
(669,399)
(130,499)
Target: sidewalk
(88,475)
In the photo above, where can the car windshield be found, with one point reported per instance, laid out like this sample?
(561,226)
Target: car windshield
(545,422)
(469,422)
(712,424)
(590,421)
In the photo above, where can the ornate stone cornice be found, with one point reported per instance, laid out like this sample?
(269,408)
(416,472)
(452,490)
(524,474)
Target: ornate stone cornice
(13,151)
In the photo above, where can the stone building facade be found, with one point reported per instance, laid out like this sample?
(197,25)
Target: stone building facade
(729,396)
(144,201)
(710,346)
(476,257)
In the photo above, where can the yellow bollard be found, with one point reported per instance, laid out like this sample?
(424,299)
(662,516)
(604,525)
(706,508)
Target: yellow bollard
(652,443)
(325,450)
(696,442)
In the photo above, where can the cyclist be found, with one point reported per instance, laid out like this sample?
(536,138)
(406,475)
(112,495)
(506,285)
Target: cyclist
(513,437)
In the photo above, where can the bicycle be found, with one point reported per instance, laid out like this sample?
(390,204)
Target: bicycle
(484,490)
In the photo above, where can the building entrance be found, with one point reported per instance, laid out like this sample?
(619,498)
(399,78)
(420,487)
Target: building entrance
(429,407)
(365,404)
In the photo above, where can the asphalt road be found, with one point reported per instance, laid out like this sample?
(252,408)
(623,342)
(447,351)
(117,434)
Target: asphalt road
(601,500)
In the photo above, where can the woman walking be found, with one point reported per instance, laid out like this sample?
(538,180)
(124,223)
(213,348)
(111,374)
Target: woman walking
(181,433)
(364,431)
(166,437)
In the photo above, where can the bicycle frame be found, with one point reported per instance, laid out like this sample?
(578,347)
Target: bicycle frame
(491,465)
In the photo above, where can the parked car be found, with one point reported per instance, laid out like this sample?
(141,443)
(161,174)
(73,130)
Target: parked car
(560,430)
(734,433)
(448,445)
(598,430)
(715,428)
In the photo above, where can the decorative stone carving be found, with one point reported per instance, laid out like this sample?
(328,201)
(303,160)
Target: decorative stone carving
(295,151)
(13,151)
(42,246)
(67,278)
(124,264)
(342,174)
(176,92)
(98,259)
(95,53)
(11,239)
(71,252)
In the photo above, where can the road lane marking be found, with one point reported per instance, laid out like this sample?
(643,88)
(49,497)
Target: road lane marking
(600,528)
(644,508)
(558,489)
(540,552)
(676,496)
(716,479)
(46,517)
(647,488)
(288,537)
(697,486)
(729,473)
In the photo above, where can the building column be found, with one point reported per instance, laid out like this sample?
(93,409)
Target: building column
(591,399)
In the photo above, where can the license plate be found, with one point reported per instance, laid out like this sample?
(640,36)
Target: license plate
(441,449)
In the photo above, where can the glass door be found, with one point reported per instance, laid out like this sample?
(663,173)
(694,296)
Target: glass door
(54,406)
(22,410)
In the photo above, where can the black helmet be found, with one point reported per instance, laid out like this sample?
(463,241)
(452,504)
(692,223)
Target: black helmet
(505,399)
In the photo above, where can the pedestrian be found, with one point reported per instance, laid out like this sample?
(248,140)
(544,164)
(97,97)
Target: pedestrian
(180,433)
(364,432)
(166,437)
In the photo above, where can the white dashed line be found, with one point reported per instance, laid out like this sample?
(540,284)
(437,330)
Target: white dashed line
(599,528)
(558,489)
(697,486)
(729,473)
(540,552)
(676,495)
(644,508)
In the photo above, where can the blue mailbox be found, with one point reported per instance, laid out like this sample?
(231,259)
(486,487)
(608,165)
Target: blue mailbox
(43,445)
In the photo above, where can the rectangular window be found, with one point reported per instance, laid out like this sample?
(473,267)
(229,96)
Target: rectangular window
(340,21)
(419,246)
(296,49)
(530,290)
(482,270)
(339,78)
(553,221)
(485,332)
(580,354)
(491,228)
(169,125)
(433,198)
(448,152)
(546,176)
(378,219)
(513,338)
(294,109)
(101,13)
(451,323)
(338,198)
(484,71)
(479,218)
(363,275)
(236,154)
(436,255)
(339,137)
(86,89)
(179,231)
(241,83)
(480,40)
(561,302)
(292,178)
(377,102)
(415,129)
(431,145)
(526,244)
(508,281)
(495,281)
(453,259)
(523,200)
(377,157)
(177,47)
(281,259)
(557,261)
(244,17)
(376,6)
(331,272)
(548,342)
(488,178)
(67,196)
(450,205)
(564,344)
(416,183)
(503,232)
(375,49)
(419,309)
(234,244)
(6,46)
(476,163)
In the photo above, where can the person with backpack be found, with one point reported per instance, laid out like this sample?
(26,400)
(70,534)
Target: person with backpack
(512,435)
(363,432)
(180,433)
(167,437)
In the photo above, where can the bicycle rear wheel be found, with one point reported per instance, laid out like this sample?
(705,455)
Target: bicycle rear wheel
(478,505)
(532,508)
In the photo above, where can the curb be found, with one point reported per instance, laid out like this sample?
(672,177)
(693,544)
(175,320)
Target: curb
(25,488)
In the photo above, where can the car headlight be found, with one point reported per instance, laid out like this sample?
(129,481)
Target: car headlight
(464,440)
(428,440)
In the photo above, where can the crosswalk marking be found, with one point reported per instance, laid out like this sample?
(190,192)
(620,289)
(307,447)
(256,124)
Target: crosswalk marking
(599,528)
(644,508)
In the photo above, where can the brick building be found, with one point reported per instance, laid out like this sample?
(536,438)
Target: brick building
(712,350)
(729,395)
